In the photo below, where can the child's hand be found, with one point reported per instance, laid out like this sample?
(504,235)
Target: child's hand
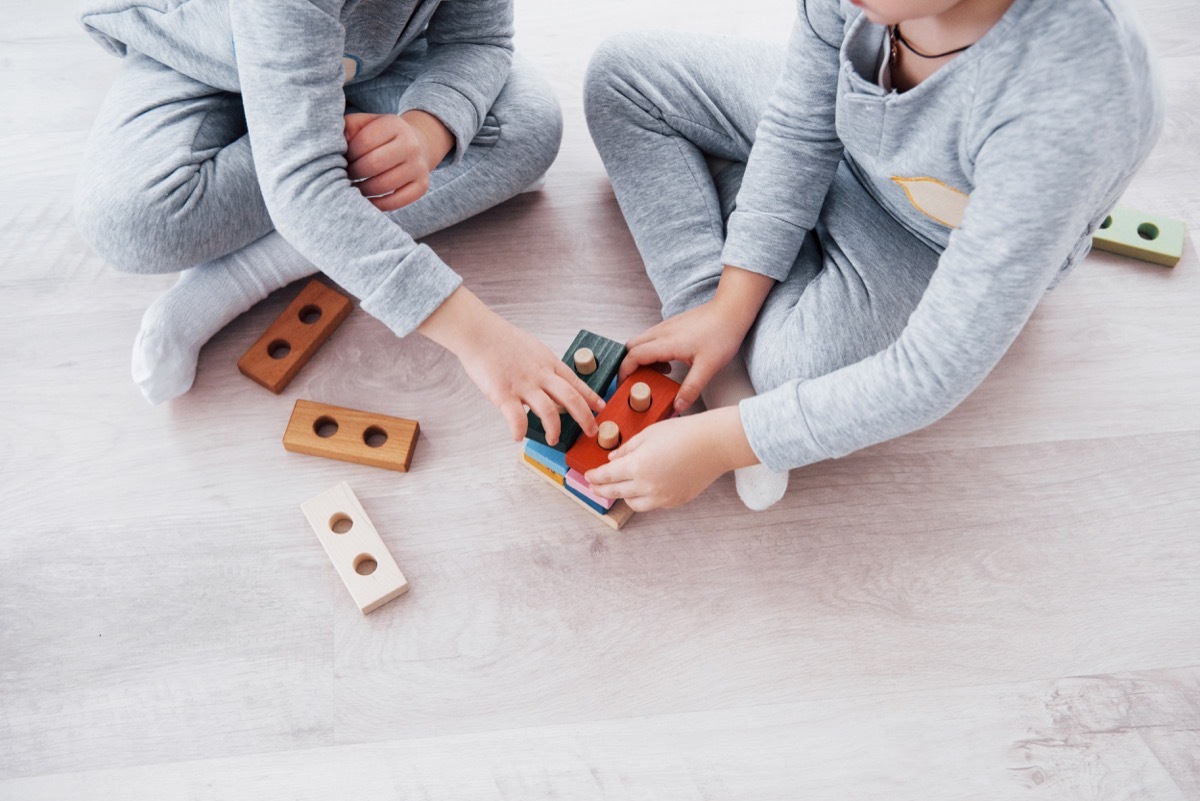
(390,156)
(510,367)
(701,337)
(672,462)
(706,337)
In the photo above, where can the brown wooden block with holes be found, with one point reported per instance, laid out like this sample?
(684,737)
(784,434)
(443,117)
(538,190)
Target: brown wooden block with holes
(295,336)
(361,559)
(351,436)
(587,452)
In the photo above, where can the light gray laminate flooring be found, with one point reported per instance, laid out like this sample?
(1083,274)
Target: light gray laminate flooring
(1005,605)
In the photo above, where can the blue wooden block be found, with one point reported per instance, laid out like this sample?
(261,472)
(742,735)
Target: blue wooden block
(546,456)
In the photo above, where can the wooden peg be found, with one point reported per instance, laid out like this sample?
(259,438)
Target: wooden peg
(350,540)
(585,361)
(609,436)
(351,436)
(640,397)
(289,342)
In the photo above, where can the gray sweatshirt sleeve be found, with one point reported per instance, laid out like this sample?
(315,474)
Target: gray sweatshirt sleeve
(289,55)
(470,53)
(796,137)
(1067,144)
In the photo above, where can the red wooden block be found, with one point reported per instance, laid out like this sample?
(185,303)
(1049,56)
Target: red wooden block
(586,453)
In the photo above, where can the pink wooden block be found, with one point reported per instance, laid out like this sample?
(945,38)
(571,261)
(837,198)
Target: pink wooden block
(577,482)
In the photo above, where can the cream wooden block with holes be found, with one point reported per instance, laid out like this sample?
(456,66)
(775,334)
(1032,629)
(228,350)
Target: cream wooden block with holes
(353,545)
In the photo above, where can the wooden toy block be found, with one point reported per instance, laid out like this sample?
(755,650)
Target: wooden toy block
(295,336)
(606,356)
(587,453)
(552,460)
(541,468)
(1128,232)
(351,436)
(615,518)
(578,483)
(361,559)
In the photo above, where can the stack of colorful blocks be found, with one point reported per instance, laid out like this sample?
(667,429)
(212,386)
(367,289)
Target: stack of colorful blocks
(644,399)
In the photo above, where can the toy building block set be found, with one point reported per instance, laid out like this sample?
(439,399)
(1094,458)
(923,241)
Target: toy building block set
(645,398)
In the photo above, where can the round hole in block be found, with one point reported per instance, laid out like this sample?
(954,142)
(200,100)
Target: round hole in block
(365,564)
(325,427)
(585,361)
(374,437)
(310,314)
(340,523)
(1107,222)
(610,435)
(279,349)
(1148,231)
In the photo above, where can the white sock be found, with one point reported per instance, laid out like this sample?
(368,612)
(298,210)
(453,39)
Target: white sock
(758,486)
(206,299)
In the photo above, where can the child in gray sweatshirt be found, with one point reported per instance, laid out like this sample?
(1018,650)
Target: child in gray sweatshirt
(225,149)
(887,218)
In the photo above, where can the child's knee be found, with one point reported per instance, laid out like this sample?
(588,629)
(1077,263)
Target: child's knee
(613,65)
(127,227)
(532,121)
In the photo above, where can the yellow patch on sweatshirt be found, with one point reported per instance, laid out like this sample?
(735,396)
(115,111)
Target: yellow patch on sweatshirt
(934,199)
(350,65)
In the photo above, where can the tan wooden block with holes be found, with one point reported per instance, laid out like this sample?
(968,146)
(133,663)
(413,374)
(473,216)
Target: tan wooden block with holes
(353,545)
(349,435)
(297,334)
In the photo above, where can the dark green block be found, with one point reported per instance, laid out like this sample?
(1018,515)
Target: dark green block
(608,358)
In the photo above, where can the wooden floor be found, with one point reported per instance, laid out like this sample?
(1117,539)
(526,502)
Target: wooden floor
(1005,605)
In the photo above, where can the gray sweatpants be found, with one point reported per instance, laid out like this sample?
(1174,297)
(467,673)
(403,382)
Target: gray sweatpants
(668,110)
(168,178)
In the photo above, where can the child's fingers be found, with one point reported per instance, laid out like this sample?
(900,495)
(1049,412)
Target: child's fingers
(593,400)
(657,350)
(514,414)
(390,180)
(376,133)
(569,397)
(355,123)
(697,379)
(615,490)
(410,193)
(547,411)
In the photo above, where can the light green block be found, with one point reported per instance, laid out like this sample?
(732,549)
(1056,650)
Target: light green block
(1141,236)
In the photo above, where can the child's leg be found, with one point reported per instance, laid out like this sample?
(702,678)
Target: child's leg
(857,280)
(660,108)
(657,104)
(516,146)
(167,180)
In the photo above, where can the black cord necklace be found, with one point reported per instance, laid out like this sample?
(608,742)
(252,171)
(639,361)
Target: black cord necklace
(897,40)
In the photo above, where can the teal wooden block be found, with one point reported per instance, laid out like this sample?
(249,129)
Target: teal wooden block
(1129,232)
(608,358)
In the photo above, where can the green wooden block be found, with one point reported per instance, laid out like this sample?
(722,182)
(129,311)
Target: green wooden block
(1129,232)
(608,358)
